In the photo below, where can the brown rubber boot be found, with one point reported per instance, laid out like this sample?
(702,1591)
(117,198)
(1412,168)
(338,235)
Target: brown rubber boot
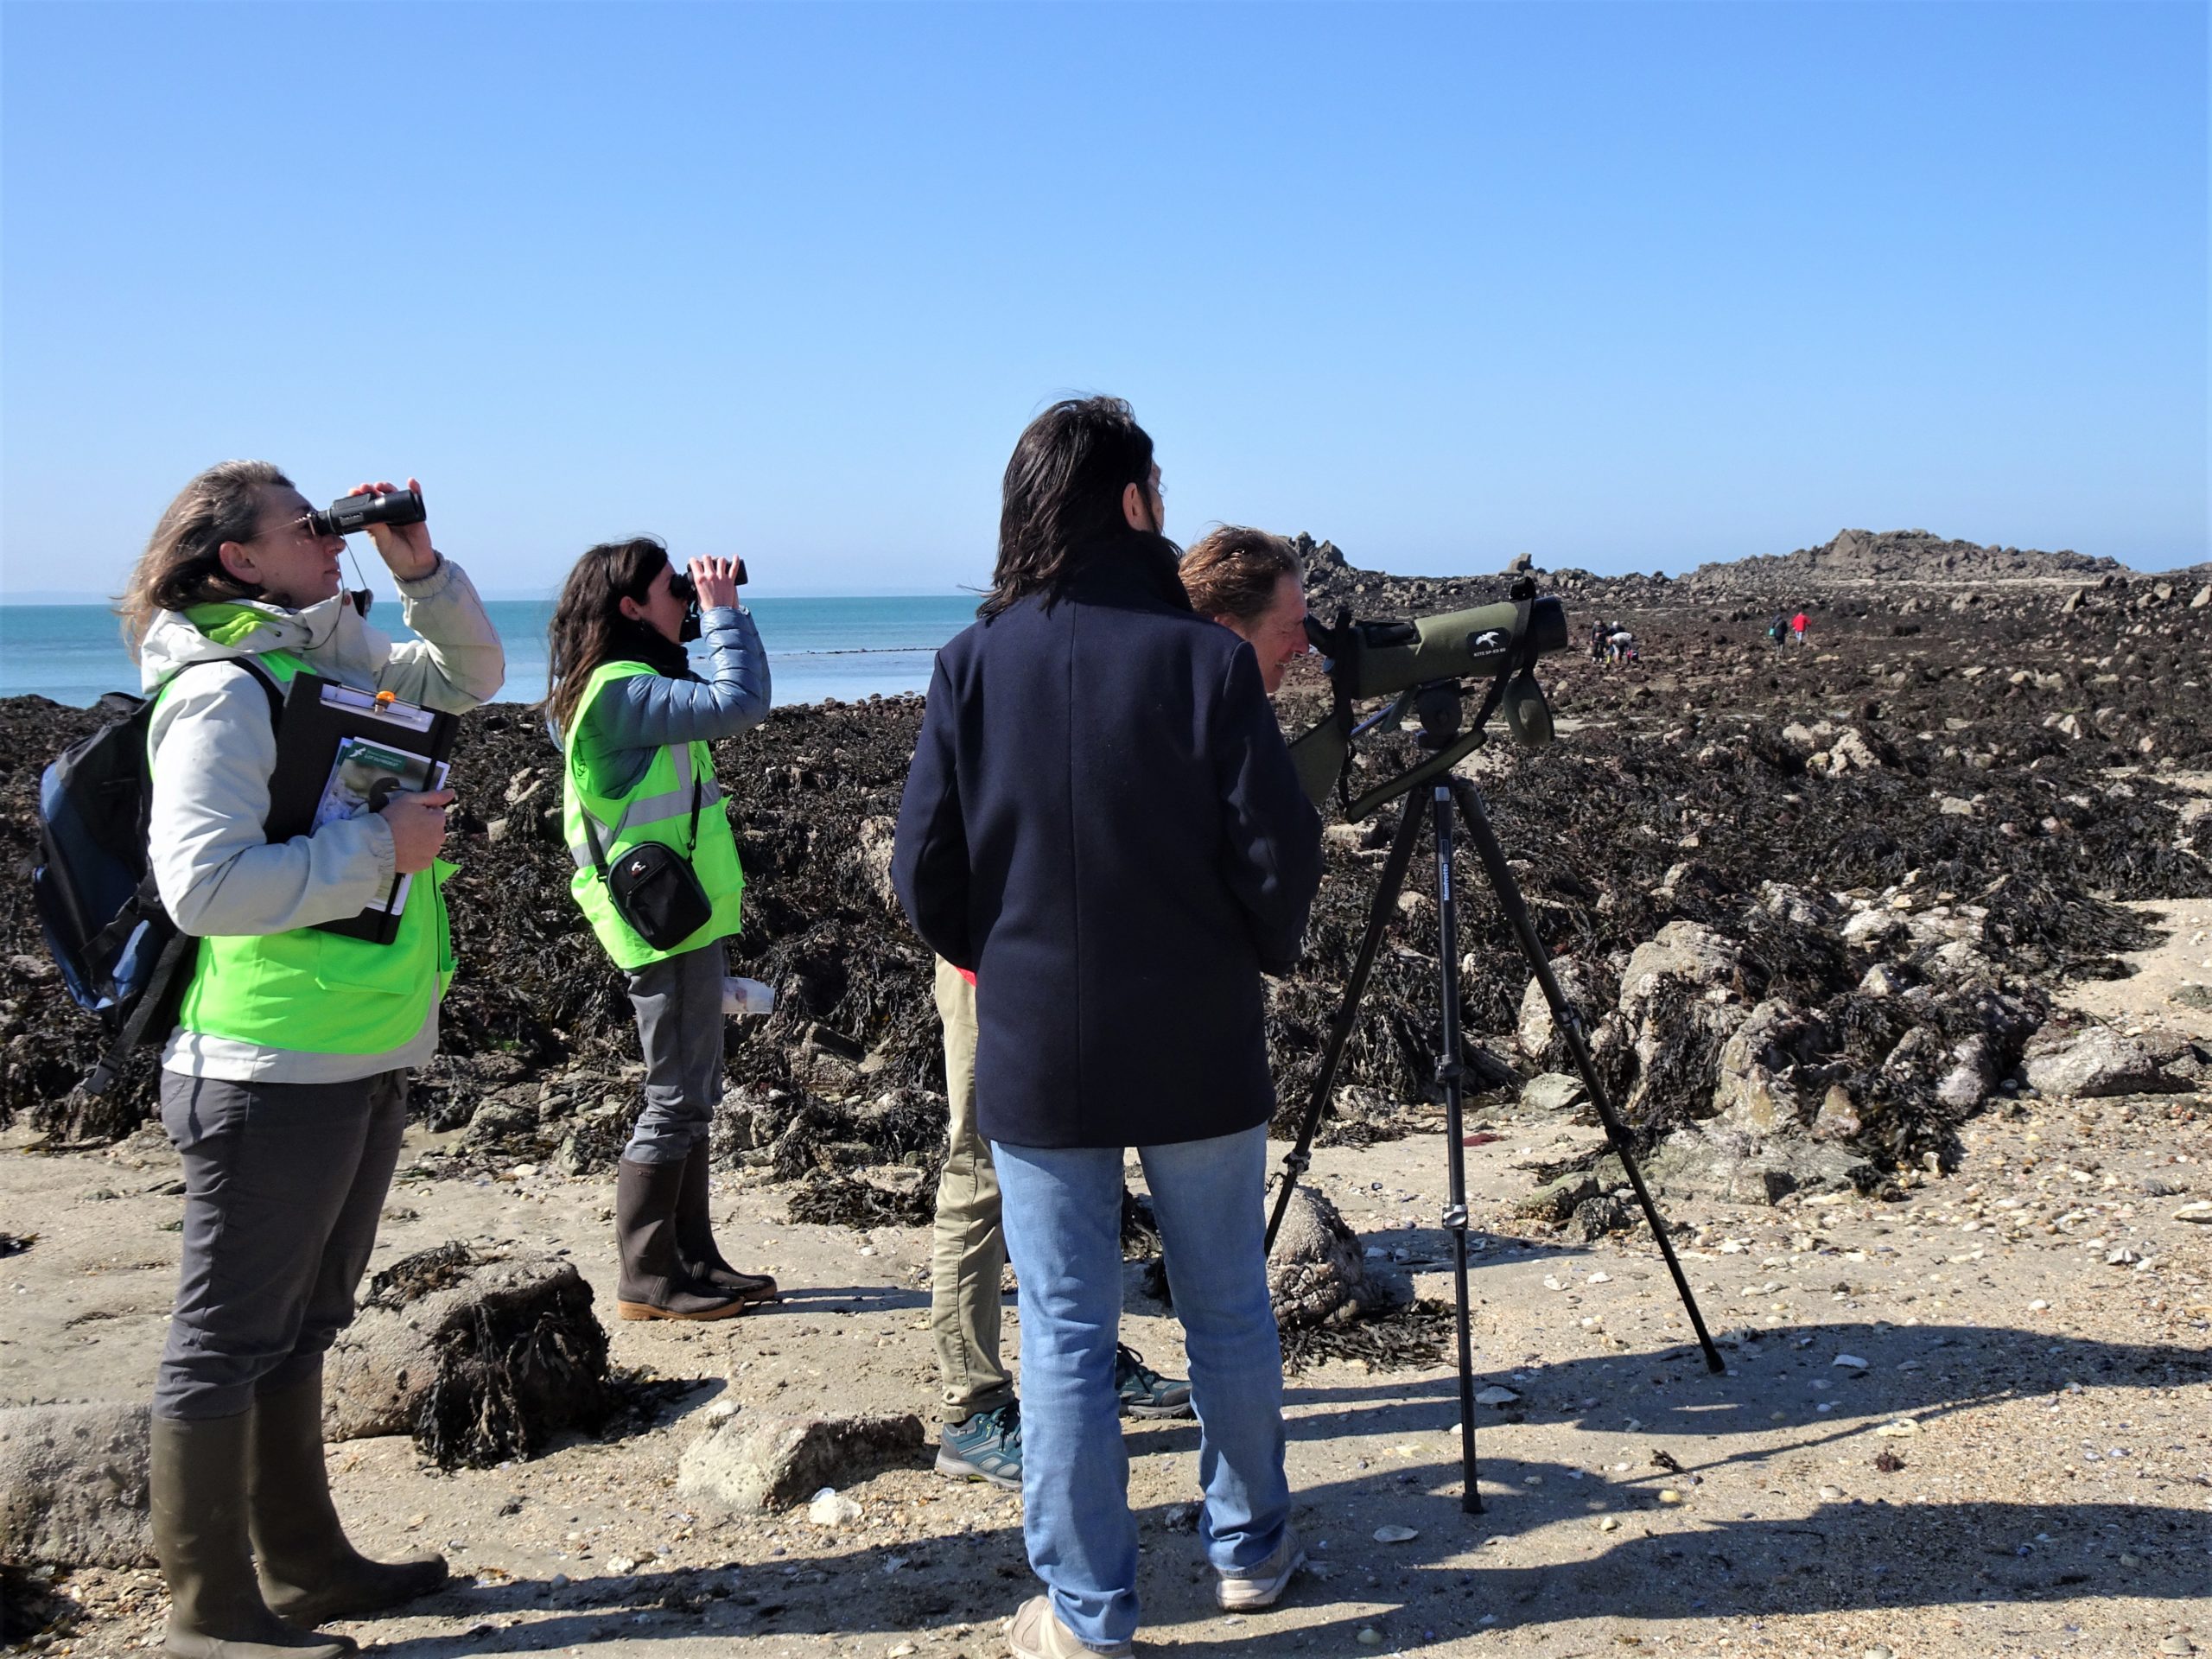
(694,1238)
(197,1474)
(654,1284)
(309,1571)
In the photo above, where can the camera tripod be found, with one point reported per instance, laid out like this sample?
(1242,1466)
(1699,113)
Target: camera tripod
(1440,708)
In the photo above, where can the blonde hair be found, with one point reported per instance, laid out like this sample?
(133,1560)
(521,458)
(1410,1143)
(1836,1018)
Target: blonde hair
(182,563)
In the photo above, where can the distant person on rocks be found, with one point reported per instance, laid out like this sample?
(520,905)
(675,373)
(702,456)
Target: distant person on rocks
(1620,647)
(1798,624)
(637,727)
(1598,631)
(1251,583)
(1103,823)
(284,1085)
(1778,630)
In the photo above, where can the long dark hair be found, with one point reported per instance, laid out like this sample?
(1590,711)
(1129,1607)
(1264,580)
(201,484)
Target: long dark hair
(588,627)
(1063,495)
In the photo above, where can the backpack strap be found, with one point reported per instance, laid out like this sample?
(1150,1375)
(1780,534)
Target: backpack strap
(180,948)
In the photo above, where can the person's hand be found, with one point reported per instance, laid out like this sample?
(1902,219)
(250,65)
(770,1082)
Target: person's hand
(418,829)
(716,581)
(405,549)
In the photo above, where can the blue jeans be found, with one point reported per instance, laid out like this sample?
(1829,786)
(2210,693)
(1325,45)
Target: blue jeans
(1062,1212)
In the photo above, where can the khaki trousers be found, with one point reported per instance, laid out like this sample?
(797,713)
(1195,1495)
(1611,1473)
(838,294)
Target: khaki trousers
(967,1250)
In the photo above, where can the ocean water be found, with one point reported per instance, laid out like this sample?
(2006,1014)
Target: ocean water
(818,648)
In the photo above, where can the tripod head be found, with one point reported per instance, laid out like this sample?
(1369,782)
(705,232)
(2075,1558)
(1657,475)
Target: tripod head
(1425,665)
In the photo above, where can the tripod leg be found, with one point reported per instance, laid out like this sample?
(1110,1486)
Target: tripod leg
(1378,918)
(1451,1074)
(1524,930)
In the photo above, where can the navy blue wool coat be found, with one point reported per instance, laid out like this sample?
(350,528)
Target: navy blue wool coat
(1103,821)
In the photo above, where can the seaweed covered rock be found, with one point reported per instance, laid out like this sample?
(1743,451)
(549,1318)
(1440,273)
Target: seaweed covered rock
(1318,1270)
(480,1356)
(72,1485)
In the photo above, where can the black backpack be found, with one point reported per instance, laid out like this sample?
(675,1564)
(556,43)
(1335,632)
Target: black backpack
(120,955)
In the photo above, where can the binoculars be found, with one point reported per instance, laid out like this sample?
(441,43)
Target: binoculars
(352,512)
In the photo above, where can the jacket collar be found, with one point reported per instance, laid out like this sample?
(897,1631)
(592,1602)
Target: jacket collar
(1136,565)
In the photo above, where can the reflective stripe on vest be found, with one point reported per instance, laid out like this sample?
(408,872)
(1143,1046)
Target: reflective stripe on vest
(639,811)
(657,807)
(307,990)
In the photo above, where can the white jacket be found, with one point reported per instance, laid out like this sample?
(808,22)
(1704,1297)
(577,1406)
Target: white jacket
(214,751)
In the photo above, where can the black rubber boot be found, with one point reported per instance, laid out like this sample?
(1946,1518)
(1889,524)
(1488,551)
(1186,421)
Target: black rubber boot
(654,1284)
(197,1473)
(694,1238)
(309,1571)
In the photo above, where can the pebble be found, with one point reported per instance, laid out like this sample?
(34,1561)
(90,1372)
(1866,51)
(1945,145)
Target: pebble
(1668,1495)
(1369,1637)
(1601,1278)
(1496,1396)
(2038,1306)
(2199,1212)
(1879,1653)
(1394,1535)
(2177,1644)
(1899,1428)
(1831,1494)
(1608,1523)
(1848,1361)
(831,1509)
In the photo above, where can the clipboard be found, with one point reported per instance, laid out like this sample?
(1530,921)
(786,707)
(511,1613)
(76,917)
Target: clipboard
(341,753)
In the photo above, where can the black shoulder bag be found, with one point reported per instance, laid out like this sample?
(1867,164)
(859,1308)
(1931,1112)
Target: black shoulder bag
(654,887)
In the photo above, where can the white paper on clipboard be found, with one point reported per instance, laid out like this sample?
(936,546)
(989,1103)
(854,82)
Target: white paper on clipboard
(407,716)
(394,903)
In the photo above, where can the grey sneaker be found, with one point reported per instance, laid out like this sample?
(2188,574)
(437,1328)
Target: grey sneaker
(1142,1392)
(1259,1586)
(988,1447)
(1037,1633)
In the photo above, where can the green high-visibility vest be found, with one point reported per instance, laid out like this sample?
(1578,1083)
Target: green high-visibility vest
(311,991)
(658,807)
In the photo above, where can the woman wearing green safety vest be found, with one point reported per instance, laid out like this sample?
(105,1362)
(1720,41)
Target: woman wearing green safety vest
(635,724)
(284,1084)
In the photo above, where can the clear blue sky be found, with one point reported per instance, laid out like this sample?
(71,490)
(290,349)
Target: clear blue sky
(1624,286)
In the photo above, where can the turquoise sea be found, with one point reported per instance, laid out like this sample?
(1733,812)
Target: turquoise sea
(818,648)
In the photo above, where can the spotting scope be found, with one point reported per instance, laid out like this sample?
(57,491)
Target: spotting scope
(1424,663)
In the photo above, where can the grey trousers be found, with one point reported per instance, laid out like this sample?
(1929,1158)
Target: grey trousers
(284,1183)
(679,1006)
(966,1247)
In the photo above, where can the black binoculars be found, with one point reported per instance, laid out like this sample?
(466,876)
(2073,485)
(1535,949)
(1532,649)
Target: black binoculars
(352,512)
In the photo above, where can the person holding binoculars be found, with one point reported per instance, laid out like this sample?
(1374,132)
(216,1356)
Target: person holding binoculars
(657,877)
(284,1083)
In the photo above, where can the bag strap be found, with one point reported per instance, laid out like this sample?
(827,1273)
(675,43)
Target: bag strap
(599,852)
(175,955)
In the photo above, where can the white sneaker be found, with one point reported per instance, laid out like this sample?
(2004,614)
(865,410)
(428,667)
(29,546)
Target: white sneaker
(1037,1633)
(1259,1586)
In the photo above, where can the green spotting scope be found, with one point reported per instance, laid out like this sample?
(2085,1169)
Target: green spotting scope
(1365,659)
